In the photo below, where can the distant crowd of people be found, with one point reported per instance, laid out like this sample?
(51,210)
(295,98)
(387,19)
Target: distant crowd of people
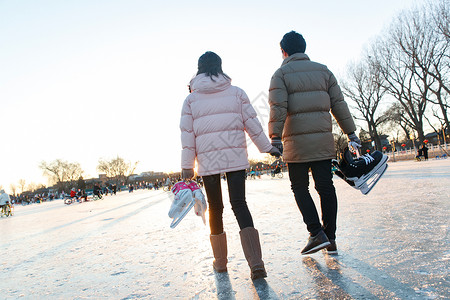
(99,190)
(255,172)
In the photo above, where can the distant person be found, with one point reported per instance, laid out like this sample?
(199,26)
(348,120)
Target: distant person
(214,119)
(419,153)
(82,195)
(425,151)
(4,199)
(277,167)
(301,95)
(105,190)
(97,191)
(73,193)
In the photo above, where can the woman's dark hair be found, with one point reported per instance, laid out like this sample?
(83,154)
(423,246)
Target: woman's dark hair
(292,43)
(211,64)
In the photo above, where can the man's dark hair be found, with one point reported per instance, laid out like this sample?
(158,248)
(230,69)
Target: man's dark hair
(292,43)
(211,64)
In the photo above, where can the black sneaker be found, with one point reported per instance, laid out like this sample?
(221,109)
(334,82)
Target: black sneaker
(332,249)
(316,243)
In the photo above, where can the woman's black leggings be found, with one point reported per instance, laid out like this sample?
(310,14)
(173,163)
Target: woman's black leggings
(236,191)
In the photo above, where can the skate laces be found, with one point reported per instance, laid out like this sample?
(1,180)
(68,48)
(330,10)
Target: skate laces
(367,158)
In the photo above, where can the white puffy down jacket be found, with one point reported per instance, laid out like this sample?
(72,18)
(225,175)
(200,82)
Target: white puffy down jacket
(214,119)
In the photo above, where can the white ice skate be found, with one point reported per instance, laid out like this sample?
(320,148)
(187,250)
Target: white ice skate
(200,202)
(363,172)
(199,207)
(182,203)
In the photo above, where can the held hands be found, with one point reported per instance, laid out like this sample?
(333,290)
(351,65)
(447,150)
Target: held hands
(353,142)
(277,149)
(274,152)
(187,174)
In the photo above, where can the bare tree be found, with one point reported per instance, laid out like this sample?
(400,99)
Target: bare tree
(117,168)
(13,189)
(437,24)
(55,171)
(431,54)
(364,85)
(397,117)
(441,17)
(61,172)
(396,55)
(32,187)
(73,172)
(22,185)
(416,64)
(439,131)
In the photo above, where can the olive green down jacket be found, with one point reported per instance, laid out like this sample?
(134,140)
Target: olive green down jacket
(301,95)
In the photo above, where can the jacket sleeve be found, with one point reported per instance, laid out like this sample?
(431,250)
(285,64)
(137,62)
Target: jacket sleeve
(278,100)
(339,107)
(252,125)
(188,154)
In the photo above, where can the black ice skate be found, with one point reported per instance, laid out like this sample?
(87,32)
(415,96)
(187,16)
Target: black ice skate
(363,172)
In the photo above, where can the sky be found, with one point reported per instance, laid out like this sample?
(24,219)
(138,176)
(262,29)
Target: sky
(84,80)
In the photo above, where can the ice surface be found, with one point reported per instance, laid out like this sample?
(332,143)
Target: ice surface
(393,243)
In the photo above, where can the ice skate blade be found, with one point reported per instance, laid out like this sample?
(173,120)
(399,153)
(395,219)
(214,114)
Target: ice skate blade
(199,211)
(369,185)
(186,209)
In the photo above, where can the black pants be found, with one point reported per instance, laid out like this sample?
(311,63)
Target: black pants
(236,190)
(323,181)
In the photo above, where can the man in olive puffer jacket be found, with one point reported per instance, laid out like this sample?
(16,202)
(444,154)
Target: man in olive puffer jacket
(302,93)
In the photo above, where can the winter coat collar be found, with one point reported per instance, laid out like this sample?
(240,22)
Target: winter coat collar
(205,85)
(296,56)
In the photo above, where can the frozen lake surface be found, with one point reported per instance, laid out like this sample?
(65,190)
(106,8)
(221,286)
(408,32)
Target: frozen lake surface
(393,244)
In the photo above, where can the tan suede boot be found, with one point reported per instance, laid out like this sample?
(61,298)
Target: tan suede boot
(219,247)
(252,251)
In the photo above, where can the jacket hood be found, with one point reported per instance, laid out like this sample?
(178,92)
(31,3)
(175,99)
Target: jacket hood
(205,85)
(296,56)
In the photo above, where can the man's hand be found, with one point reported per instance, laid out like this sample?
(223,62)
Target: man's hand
(353,142)
(274,152)
(187,174)
(276,142)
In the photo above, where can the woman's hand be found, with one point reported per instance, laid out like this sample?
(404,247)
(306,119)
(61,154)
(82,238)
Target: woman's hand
(274,152)
(187,174)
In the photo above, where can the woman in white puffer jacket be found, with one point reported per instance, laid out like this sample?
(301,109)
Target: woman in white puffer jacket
(214,119)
